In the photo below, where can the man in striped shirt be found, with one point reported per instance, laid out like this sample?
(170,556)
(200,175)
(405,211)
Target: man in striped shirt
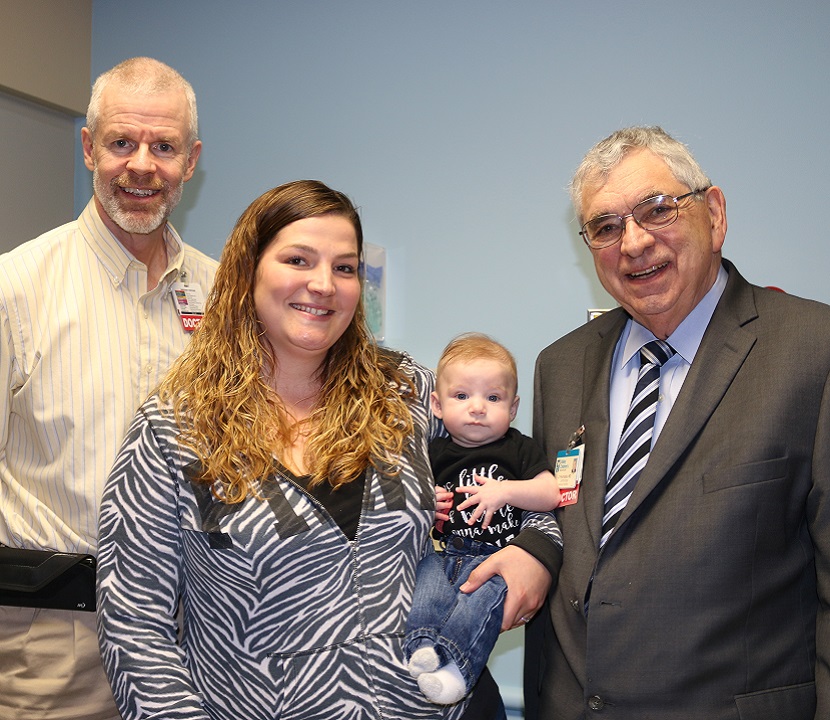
(92,314)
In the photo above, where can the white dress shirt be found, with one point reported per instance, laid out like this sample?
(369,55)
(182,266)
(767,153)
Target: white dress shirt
(82,345)
(625,366)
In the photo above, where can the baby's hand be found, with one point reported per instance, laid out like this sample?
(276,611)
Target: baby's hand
(488,496)
(443,505)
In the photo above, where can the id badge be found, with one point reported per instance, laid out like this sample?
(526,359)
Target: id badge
(568,469)
(190,304)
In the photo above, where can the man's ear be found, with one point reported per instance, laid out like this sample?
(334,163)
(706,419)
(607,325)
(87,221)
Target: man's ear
(716,204)
(435,404)
(86,143)
(192,159)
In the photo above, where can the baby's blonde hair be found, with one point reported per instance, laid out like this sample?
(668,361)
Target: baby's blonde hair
(477,346)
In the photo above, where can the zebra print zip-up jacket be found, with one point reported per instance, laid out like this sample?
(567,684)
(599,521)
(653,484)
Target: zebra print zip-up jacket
(283,617)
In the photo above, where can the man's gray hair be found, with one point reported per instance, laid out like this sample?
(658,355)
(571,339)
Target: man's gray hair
(608,153)
(144,76)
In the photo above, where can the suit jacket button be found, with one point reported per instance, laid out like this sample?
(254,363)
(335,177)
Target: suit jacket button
(595,702)
(575,605)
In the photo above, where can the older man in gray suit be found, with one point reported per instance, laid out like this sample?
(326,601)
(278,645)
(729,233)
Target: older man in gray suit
(695,583)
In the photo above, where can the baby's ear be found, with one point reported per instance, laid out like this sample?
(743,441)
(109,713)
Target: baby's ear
(514,408)
(435,403)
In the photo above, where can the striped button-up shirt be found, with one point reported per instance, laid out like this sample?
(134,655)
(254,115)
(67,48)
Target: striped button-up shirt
(82,345)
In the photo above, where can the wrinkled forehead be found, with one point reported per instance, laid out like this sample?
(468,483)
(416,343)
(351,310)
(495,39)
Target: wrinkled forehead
(166,108)
(639,175)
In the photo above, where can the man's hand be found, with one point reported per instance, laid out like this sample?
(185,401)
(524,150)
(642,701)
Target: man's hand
(528,582)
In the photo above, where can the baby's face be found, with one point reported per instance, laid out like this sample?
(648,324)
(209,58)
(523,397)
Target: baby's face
(476,400)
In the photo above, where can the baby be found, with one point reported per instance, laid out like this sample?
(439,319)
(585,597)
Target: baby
(503,474)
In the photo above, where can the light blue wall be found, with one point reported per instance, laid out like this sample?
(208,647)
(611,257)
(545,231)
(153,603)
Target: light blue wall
(455,125)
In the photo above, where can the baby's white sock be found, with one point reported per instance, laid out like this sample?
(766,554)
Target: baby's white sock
(423,660)
(445,686)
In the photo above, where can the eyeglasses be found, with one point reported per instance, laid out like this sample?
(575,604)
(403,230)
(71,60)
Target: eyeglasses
(652,214)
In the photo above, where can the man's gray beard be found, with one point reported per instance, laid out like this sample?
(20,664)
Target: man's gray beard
(135,223)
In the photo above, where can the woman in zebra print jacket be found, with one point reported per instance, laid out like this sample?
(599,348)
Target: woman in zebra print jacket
(277,489)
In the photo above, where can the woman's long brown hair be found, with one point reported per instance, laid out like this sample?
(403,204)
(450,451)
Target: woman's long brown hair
(227,412)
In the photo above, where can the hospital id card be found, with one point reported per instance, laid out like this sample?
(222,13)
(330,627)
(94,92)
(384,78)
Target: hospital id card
(568,472)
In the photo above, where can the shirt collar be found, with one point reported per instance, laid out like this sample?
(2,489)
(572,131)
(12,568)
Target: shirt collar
(114,256)
(687,337)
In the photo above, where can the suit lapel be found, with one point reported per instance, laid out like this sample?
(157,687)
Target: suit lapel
(723,350)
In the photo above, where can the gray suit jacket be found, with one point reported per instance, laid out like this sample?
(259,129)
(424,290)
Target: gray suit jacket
(704,602)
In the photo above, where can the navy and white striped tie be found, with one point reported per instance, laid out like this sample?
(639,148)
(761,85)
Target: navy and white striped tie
(635,442)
